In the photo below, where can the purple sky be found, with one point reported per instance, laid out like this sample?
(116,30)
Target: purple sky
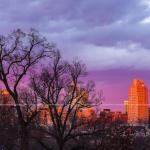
(111,36)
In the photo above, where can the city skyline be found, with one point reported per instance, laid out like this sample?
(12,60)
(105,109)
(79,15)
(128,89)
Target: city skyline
(74,74)
(116,107)
(111,43)
(119,92)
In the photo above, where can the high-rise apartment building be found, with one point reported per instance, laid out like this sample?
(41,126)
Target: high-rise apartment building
(138,102)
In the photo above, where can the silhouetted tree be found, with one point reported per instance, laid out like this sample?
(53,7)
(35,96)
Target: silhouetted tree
(60,88)
(19,52)
(112,135)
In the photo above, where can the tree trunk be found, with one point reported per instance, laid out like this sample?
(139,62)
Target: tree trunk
(24,131)
(24,138)
(60,145)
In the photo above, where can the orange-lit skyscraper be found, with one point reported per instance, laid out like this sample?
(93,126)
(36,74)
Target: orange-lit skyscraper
(138,102)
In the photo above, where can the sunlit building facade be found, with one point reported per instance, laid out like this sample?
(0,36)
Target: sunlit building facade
(87,114)
(5,98)
(138,103)
(7,111)
(126,107)
(109,116)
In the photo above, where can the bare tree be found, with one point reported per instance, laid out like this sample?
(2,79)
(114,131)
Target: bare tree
(19,52)
(59,86)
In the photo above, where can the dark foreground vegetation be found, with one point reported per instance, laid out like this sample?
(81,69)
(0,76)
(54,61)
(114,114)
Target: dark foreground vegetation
(47,105)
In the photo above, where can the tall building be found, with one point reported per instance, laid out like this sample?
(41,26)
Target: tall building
(126,107)
(138,102)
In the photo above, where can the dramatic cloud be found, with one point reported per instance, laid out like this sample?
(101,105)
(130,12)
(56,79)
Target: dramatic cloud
(111,36)
(105,34)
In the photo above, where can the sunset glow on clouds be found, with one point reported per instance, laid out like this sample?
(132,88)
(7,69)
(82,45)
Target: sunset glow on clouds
(111,37)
